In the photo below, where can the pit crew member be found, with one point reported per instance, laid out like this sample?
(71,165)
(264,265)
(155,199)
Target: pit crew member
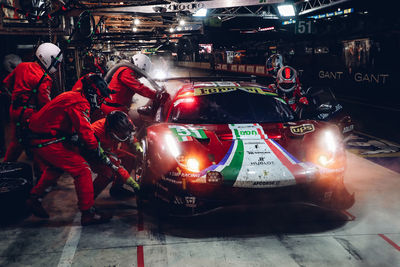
(30,84)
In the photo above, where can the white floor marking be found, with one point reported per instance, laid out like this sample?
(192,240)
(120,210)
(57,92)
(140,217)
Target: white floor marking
(71,244)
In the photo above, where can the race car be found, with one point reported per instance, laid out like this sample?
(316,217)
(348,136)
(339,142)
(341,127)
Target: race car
(217,144)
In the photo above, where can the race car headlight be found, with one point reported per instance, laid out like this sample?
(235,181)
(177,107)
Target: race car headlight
(189,163)
(193,165)
(172,145)
(327,151)
(330,141)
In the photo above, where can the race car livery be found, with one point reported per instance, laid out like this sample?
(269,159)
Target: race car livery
(223,144)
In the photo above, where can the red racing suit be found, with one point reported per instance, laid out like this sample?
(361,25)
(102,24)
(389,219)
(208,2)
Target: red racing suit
(292,98)
(125,84)
(111,147)
(66,114)
(22,81)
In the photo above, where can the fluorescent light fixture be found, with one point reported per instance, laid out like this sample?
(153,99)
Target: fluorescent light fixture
(286,10)
(136,21)
(202,12)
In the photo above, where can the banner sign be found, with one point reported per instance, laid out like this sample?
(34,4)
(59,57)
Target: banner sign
(191,6)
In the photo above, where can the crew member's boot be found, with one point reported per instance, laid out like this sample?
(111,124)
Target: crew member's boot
(92,216)
(34,205)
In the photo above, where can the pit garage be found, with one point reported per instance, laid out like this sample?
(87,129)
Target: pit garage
(199,133)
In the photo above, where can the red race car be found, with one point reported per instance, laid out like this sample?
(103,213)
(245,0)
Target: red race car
(216,144)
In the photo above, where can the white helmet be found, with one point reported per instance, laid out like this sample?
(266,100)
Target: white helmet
(46,53)
(143,62)
(11,61)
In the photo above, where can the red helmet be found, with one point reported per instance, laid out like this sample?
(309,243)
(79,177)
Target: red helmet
(286,79)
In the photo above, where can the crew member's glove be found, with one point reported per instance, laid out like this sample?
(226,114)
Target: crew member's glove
(128,179)
(303,100)
(162,96)
(138,147)
(132,183)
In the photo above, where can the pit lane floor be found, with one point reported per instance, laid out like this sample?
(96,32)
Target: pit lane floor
(366,235)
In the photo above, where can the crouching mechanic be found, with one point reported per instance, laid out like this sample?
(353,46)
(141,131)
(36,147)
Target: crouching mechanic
(111,132)
(65,115)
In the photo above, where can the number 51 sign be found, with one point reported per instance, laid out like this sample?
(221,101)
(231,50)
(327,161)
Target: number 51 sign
(304,27)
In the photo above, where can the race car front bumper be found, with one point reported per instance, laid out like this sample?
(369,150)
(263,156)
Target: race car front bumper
(186,198)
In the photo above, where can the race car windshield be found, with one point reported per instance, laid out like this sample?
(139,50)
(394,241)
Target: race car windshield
(233,107)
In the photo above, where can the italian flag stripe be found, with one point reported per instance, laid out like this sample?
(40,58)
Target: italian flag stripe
(297,170)
(231,171)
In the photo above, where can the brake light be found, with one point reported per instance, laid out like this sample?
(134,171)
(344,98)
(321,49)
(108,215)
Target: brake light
(185,95)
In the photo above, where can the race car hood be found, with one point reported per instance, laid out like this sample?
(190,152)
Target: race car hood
(247,155)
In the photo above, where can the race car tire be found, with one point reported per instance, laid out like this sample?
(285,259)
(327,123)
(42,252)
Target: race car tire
(13,195)
(16,170)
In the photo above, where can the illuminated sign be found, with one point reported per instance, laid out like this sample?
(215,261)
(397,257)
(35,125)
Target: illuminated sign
(332,14)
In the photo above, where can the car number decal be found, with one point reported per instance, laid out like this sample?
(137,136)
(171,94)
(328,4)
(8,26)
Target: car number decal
(186,133)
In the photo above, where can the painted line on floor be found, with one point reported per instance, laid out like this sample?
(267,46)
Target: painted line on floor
(71,244)
(387,239)
(351,216)
(140,256)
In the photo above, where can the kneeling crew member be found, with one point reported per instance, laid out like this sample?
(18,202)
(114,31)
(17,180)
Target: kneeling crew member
(111,132)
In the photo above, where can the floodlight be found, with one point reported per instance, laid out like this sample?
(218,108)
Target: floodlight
(202,12)
(286,10)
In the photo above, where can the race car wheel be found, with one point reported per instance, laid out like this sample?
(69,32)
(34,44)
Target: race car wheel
(13,194)
(16,170)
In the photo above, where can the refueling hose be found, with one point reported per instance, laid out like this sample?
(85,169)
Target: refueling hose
(111,72)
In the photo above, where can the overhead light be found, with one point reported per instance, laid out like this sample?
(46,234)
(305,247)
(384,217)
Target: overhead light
(286,10)
(202,12)
(171,29)
(181,22)
(121,3)
(134,29)
(178,28)
(136,21)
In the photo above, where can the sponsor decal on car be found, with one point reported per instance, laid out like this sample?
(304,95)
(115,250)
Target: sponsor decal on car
(263,163)
(190,202)
(247,131)
(183,133)
(224,89)
(169,180)
(302,129)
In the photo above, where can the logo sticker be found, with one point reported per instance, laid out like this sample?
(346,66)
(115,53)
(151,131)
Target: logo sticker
(302,129)
(223,89)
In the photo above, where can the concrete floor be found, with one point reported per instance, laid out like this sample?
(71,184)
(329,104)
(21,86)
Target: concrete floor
(366,235)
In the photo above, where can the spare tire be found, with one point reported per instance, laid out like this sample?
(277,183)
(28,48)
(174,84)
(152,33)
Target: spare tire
(13,195)
(16,170)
